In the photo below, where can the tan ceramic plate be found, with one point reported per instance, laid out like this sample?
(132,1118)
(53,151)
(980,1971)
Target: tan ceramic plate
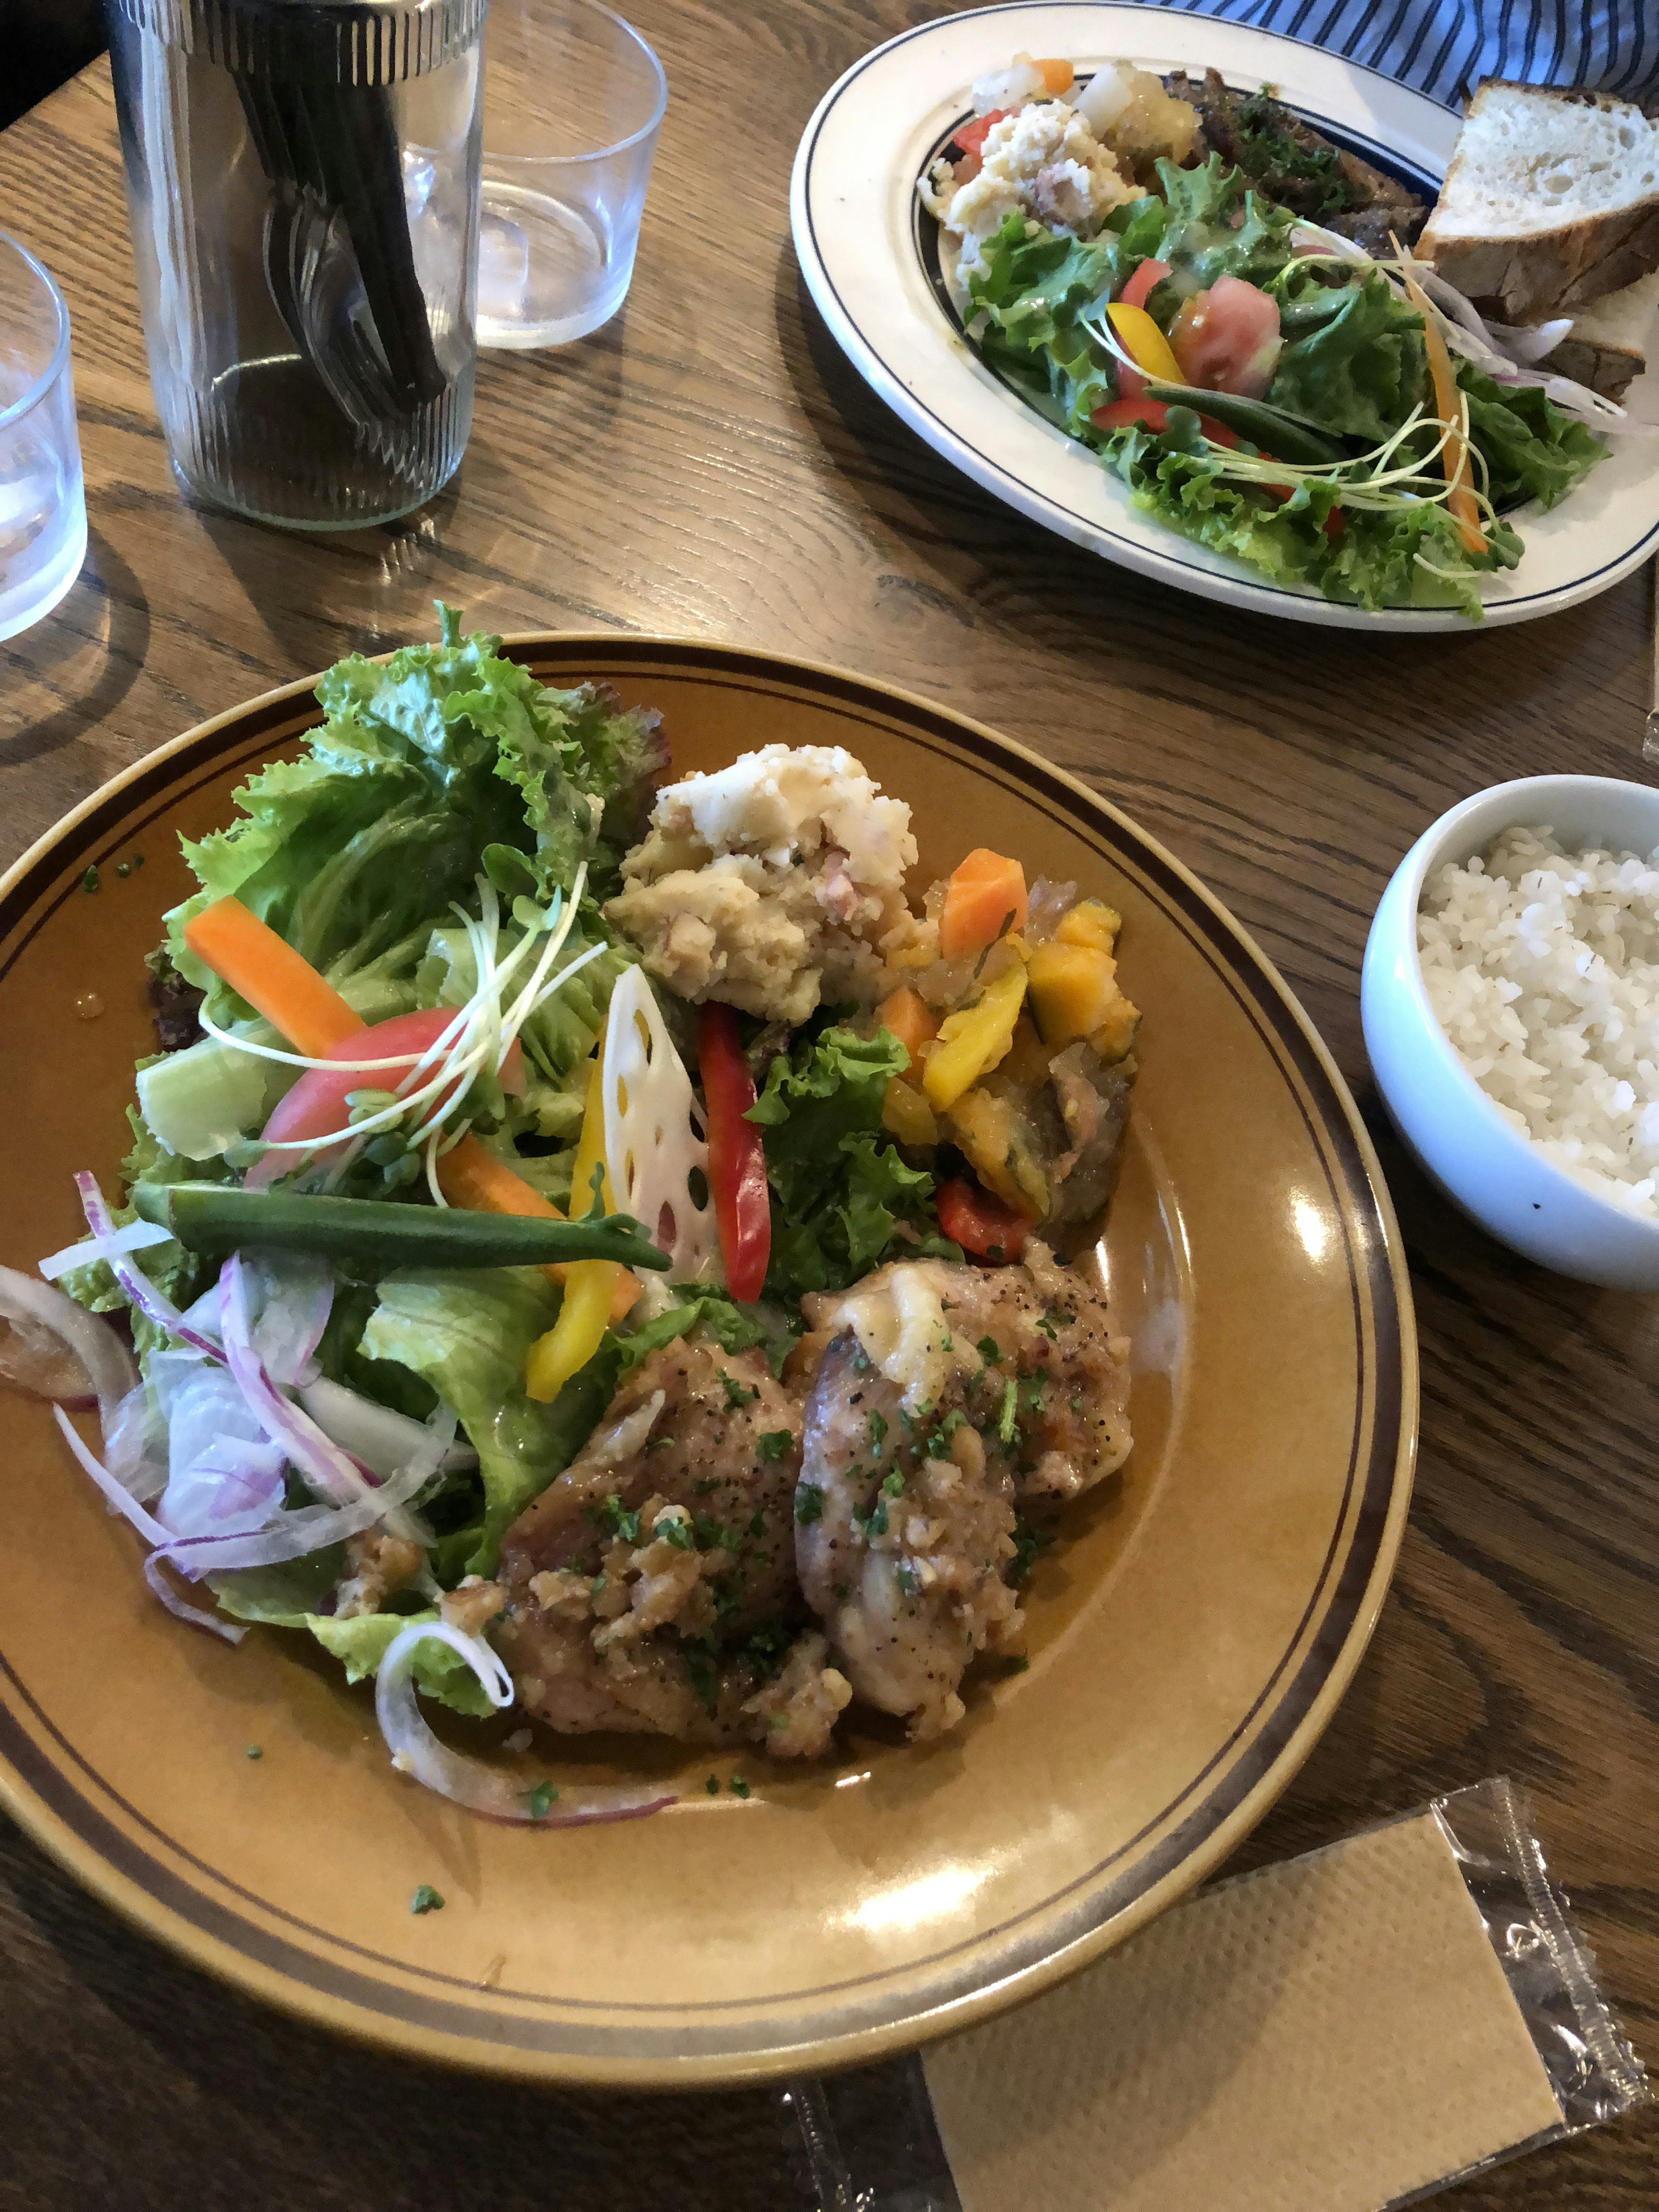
(1188,1643)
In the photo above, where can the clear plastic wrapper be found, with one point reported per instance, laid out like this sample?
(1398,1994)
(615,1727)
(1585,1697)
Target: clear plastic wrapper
(866,2140)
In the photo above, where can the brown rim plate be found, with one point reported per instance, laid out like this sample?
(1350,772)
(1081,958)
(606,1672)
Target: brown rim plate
(1189,1637)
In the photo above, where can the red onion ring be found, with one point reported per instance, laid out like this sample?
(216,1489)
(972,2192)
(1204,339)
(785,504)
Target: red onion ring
(105,1361)
(332,1473)
(139,1289)
(468,1782)
(161,1588)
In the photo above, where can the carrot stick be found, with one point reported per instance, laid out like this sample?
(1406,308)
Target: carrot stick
(1461,502)
(275,980)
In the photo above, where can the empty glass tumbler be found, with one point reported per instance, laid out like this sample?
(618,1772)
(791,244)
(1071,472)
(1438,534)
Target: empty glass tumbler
(573,100)
(302,178)
(43,508)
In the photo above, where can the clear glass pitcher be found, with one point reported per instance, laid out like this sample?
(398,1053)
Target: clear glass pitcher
(302,177)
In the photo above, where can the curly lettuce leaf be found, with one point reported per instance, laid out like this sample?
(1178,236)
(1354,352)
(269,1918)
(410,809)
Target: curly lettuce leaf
(840,1189)
(466,1331)
(1532,449)
(287,1596)
(1362,368)
(424,765)
(1408,556)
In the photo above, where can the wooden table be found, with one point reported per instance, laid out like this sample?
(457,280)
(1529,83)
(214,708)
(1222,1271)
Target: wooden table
(710,465)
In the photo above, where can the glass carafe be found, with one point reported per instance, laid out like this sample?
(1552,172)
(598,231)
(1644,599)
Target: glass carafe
(302,177)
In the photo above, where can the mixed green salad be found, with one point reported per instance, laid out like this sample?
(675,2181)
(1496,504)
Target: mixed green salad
(1270,390)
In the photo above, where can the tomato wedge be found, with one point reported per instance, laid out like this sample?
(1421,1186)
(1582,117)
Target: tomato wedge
(981,1225)
(972,136)
(737,1157)
(1154,414)
(316,1106)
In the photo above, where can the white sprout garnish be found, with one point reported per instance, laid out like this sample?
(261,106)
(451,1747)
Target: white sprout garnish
(482,1032)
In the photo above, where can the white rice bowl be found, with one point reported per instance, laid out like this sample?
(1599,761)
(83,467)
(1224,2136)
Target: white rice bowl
(1542,966)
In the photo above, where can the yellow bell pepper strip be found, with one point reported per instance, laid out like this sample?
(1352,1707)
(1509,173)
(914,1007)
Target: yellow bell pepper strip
(972,1041)
(1460,503)
(590,1285)
(1145,343)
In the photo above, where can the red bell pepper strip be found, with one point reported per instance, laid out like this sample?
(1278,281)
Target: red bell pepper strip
(1154,414)
(736,1158)
(981,1225)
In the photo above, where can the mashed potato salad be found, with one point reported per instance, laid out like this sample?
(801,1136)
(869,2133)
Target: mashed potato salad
(589,1242)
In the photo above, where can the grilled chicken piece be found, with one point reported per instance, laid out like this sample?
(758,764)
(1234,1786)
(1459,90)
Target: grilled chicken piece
(943,1395)
(651,1588)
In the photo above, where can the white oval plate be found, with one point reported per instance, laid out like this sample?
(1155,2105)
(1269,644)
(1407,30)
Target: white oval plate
(853,211)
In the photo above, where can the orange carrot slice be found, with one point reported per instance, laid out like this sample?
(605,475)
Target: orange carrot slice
(275,980)
(985,896)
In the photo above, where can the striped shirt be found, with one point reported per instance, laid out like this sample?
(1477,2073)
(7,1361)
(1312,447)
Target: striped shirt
(1444,47)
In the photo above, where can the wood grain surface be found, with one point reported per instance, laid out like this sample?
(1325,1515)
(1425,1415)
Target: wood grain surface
(708,465)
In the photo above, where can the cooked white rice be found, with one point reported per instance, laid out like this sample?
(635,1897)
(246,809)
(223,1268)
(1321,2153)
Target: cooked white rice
(1543,966)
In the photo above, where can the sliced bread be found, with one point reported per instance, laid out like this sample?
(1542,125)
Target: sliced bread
(1607,346)
(1551,202)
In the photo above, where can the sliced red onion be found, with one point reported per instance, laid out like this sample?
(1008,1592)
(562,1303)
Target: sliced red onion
(133,1238)
(297,1296)
(468,1782)
(34,1308)
(154,1304)
(161,1588)
(292,1536)
(376,1436)
(120,1499)
(230,1489)
(329,1472)
(128,1455)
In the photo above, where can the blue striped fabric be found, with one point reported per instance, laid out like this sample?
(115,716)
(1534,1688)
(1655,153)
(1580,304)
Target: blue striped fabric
(1444,47)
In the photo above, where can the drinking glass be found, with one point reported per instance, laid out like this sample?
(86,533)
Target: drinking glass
(43,507)
(573,100)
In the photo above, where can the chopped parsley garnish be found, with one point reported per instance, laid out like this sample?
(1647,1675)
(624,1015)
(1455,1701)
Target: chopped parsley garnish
(758,1524)
(539,1799)
(625,1525)
(1034,1389)
(878,1432)
(737,1395)
(713,1785)
(1015,1665)
(674,1528)
(1076,1402)
(809,1503)
(945,1342)
(989,1350)
(909,1581)
(1010,1406)
(700,1669)
(938,1444)
(124,867)
(738,1786)
(255,1751)
(1029,1540)
(705,1483)
(844,1591)
(90,881)
(861,1359)
(714,1535)
(894,1486)
(426,1899)
(1054,1318)
(773,1444)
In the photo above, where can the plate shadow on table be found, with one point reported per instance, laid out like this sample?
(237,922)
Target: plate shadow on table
(77,665)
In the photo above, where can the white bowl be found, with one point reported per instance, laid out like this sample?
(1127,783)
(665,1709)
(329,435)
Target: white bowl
(1481,1161)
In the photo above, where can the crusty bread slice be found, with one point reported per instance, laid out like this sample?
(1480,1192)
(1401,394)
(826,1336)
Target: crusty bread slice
(1552,201)
(1607,348)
